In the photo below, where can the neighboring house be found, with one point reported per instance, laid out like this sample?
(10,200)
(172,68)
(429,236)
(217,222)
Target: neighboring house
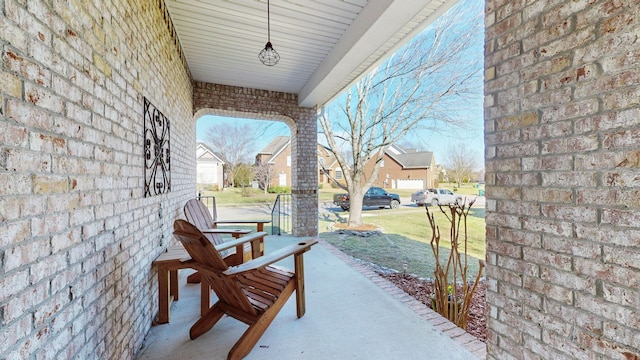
(327,162)
(278,154)
(400,168)
(209,167)
(406,169)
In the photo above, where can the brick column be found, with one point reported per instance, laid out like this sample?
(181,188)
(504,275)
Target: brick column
(562,157)
(305,177)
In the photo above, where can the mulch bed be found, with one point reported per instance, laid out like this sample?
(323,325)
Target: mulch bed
(421,291)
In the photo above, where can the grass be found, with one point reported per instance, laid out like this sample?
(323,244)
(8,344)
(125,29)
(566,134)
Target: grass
(238,196)
(393,251)
(405,241)
(412,223)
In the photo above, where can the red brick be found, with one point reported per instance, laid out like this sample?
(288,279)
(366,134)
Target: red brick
(546,226)
(569,179)
(562,162)
(548,195)
(626,218)
(546,131)
(606,235)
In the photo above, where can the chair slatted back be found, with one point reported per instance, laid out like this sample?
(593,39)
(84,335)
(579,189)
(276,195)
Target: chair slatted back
(198,214)
(211,265)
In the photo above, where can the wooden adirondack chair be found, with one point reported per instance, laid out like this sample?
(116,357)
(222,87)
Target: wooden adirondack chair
(253,292)
(198,214)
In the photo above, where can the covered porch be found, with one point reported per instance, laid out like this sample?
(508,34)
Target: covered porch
(352,313)
(79,233)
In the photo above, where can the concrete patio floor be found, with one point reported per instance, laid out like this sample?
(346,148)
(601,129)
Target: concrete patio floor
(351,314)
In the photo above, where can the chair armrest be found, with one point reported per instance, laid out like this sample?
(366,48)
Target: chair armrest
(243,221)
(295,249)
(239,241)
(226,231)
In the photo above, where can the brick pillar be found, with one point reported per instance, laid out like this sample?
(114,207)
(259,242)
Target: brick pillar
(562,125)
(305,179)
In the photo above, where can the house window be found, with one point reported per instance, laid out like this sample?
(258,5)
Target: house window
(381,163)
(321,160)
(338,174)
(289,160)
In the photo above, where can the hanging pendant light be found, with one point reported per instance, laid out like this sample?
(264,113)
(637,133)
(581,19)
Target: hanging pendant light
(269,56)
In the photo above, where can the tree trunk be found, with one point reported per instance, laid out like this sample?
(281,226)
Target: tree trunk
(356,196)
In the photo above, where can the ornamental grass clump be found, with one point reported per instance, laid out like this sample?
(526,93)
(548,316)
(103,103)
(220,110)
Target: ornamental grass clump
(452,292)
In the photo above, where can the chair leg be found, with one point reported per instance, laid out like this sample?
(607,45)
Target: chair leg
(251,336)
(299,279)
(206,322)
(255,331)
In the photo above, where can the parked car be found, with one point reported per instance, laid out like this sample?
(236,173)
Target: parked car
(375,196)
(435,197)
(420,197)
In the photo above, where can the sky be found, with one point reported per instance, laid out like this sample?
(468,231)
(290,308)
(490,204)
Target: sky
(424,140)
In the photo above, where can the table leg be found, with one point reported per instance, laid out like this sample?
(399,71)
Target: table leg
(173,284)
(163,295)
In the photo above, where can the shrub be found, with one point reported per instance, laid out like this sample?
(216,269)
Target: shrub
(280,189)
(246,192)
(453,293)
(207,187)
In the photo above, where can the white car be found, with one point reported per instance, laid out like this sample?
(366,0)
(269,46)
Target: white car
(435,197)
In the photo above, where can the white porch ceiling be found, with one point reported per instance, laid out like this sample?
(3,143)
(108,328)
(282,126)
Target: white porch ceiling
(324,45)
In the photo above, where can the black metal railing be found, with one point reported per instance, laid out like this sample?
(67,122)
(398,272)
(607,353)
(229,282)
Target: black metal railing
(281,215)
(210,202)
(281,222)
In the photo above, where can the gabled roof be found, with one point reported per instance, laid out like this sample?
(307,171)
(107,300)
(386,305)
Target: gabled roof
(204,151)
(413,160)
(334,162)
(275,147)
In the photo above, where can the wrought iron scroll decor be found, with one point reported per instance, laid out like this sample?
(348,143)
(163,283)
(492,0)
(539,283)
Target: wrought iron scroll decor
(157,151)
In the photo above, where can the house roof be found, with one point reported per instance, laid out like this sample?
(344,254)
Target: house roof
(413,160)
(204,151)
(333,161)
(275,147)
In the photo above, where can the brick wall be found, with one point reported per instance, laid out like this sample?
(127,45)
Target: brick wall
(77,237)
(562,125)
(215,99)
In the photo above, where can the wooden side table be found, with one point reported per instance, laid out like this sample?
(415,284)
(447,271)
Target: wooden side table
(169,262)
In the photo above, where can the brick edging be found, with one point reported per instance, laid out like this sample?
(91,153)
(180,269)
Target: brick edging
(468,341)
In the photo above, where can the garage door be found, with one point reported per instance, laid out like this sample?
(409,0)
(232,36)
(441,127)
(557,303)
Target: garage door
(410,184)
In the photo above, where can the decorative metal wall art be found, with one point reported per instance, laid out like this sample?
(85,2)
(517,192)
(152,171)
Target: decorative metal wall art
(157,151)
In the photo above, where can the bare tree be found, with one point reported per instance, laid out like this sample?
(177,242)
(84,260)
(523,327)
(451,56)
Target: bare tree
(460,162)
(419,87)
(264,175)
(234,144)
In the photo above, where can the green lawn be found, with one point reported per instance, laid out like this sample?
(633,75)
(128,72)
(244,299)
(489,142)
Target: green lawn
(394,251)
(405,240)
(237,196)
